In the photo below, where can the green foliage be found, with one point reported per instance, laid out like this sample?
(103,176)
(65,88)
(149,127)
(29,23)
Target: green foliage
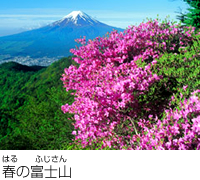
(193,16)
(93,146)
(181,69)
(177,70)
(30,107)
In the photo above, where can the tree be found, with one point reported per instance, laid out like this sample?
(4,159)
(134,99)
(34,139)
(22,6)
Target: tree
(192,17)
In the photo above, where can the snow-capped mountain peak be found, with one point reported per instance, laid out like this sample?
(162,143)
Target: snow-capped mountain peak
(77,18)
(74,15)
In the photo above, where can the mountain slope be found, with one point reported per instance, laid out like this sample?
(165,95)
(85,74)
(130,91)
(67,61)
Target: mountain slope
(30,106)
(55,39)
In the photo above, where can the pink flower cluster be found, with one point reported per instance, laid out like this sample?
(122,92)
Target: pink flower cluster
(180,129)
(108,81)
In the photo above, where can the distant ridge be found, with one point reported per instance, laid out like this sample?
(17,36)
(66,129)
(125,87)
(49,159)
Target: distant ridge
(54,40)
(13,66)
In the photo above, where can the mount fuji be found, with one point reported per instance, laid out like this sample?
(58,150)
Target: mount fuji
(54,40)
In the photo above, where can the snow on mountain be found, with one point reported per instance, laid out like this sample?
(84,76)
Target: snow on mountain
(77,18)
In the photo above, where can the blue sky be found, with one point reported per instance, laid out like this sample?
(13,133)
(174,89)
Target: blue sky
(20,15)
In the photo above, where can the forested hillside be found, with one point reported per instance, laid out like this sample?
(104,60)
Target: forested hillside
(30,106)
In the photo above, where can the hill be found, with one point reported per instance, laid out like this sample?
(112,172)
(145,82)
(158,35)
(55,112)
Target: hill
(30,106)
